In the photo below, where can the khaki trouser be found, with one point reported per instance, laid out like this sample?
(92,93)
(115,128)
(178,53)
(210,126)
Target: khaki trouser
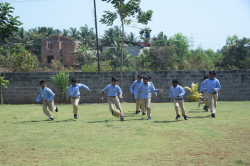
(146,106)
(112,101)
(75,102)
(142,109)
(138,102)
(51,107)
(176,106)
(205,99)
(212,101)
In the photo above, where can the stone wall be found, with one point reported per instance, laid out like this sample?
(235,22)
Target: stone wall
(24,87)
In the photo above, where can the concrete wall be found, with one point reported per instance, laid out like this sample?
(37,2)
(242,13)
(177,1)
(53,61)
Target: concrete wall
(24,87)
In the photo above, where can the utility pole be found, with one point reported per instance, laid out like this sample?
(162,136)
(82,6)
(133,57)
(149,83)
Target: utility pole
(97,44)
(191,42)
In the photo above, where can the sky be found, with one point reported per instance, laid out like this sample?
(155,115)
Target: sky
(209,21)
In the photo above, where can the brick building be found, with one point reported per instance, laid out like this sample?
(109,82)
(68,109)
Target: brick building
(59,48)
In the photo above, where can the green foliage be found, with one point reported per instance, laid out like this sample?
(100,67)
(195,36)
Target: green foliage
(163,58)
(21,62)
(112,34)
(3,82)
(61,82)
(145,32)
(182,44)
(195,96)
(17,49)
(237,55)
(8,23)
(84,55)
(105,66)
(159,43)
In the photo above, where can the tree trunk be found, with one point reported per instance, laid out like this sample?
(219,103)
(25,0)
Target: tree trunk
(121,60)
(1,97)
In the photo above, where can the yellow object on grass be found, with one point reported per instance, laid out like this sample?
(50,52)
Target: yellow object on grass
(195,96)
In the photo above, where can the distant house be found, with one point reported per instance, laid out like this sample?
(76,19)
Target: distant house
(133,48)
(59,48)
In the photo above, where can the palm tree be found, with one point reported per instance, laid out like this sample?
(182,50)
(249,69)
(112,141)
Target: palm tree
(117,53)
(87,35)
(131,37)
(74,34)
(111,34)
(22,37)
(65,32)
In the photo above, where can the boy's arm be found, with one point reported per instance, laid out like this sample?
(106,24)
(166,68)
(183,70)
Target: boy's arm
(182,92)
(51,95)
(120,92)
(217,85)
(202,85)
(71,92)
(83,86)
(104,90)
(39,97)
(132,88)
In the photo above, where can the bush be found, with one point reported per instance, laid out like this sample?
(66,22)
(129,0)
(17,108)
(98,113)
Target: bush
(195,96)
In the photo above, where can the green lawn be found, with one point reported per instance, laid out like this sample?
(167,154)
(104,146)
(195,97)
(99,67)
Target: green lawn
(98,138)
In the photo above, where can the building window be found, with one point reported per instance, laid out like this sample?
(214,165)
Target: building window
(50,58)
(49,45)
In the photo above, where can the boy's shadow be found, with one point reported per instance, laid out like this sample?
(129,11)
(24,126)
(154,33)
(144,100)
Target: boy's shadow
(68,120)
(165,121)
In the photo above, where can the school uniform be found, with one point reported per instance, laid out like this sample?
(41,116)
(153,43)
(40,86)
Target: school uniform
(134,89)
(75,97)
(211,94)
(48,95)
(150,84)
(113,97)
(205,99)
(178,91)
(146,96)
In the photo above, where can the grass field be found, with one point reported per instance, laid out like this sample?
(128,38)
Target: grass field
(97,138)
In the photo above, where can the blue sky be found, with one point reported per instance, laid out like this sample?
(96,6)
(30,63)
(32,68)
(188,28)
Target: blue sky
(210,21)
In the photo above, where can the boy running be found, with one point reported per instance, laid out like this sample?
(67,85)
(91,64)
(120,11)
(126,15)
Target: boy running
(145,95)
(48,100)
(134,90)
(113,89)
(178,92)
(212,86)
(74,93)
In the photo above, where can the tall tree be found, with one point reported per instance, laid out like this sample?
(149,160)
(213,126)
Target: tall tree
(88,36)
(8,23)
(231,40)
(74,34)
(125,11)
(182,44)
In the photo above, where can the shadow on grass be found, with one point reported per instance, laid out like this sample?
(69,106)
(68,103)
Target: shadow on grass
(68,120)
(31,121)
(200,116)
(165,121)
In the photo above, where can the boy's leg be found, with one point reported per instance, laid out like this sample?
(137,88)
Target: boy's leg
(138,102)
(46,112)
(176,105)
(75,102)
(51,105)
(212,101)
(181,103)
(111,104)
(147,103)
(118,105)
